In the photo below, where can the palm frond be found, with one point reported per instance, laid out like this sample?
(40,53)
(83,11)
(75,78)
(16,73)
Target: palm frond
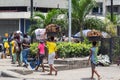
(40,15)
(51,15)
(81,8)
(75,8)
(89,7)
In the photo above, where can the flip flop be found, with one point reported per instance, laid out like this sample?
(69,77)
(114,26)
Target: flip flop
(49,74)
(55,73)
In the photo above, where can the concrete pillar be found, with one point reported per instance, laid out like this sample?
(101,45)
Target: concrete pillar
(104,7)
(99,10)
(118,9)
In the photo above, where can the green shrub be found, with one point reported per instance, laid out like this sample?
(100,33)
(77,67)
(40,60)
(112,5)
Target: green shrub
(33,48)
(66,49)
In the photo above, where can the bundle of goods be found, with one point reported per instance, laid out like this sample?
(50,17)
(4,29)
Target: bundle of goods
(39,33)
(94,35)
(52,29)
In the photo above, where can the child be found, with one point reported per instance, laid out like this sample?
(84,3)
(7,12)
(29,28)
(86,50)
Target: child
(41,55)
(93,58)
(52,48)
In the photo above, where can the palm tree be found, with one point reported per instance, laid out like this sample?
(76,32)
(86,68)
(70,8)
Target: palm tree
(94,23)
(80,8)
(42,20)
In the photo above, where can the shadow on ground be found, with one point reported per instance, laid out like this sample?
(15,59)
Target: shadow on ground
(21,71)
(86,79)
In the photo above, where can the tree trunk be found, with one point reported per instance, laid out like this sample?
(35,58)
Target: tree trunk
(81,29)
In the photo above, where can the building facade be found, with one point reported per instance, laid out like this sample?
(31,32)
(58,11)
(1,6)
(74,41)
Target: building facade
(104,6)
(15,14)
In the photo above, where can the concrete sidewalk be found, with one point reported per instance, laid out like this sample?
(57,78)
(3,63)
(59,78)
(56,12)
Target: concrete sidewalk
(107,73)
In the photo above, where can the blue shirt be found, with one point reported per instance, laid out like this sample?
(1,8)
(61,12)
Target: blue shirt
(94,51)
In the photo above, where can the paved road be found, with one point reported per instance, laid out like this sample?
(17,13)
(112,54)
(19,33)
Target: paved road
(107,73)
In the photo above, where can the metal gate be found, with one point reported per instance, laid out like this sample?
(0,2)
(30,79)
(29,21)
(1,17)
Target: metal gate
(111,47)
(115,46)
(8,26)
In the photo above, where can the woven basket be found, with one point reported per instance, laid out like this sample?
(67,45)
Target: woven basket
(52,33)
(94,38)
(94,35)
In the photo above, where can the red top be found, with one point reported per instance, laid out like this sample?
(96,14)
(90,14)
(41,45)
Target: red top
(41,48)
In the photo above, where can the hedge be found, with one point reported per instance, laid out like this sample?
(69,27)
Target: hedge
(66,49)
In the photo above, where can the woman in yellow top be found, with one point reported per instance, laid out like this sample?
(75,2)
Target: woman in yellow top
(6,44)
(52,48)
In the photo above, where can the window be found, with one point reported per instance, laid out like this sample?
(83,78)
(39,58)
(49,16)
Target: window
(98,9)
(12,9)
(115,9)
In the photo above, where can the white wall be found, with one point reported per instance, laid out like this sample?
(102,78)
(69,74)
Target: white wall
(115,2)
(47,3)
(38,3)
(14,15)
(51,3)
(108,2)
(14,3)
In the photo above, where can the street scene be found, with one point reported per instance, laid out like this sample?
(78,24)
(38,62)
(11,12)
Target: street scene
(107,73)
(59,40)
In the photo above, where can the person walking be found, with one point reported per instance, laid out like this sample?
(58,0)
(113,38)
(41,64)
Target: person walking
(93,59)
(18,48)
(52,48)
(26,50)
(41,55)
(6,45)
(13,50)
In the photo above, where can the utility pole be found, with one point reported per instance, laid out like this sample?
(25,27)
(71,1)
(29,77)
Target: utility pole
(111,38)
(31,16)
(69,8)
(111,10)
(31,8)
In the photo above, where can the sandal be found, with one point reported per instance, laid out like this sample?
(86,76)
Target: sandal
(55,73)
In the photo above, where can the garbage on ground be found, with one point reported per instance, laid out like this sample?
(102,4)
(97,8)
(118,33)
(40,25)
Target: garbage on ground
(104,60)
